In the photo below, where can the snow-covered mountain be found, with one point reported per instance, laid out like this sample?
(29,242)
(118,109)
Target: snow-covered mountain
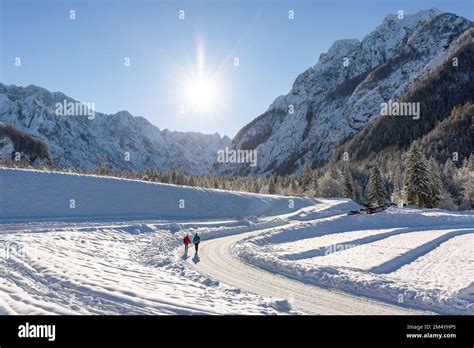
(120,140)
(343,92)
(446,96)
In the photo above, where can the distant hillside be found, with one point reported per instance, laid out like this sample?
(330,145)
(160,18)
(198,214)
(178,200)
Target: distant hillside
(453,134)
(30,149)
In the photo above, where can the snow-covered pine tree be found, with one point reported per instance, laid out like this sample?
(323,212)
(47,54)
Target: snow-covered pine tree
(294,186)
(348,183)
(314,183)
(417,181)
(436,184)
(272,185)
(376,192)
(306,177)
(397,194)
(451,182)
(334,173)
(449,171)
(255,186)
(446,201)
(466,177)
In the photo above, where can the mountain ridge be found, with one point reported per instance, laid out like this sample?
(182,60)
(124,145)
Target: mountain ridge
(439,92)
(105,139)
(331,102)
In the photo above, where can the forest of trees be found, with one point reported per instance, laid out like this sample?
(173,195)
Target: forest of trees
(26,143)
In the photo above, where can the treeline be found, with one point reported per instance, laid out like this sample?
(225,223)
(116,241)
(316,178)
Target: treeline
(28,145)
(272,185)
(414,180)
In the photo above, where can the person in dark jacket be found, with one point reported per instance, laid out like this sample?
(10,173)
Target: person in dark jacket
(196,241)
(186,241)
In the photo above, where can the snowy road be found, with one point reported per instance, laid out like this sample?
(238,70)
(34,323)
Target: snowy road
(217,261)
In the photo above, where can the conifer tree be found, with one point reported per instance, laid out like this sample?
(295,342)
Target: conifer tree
(449,171)
(417,181)
(397,195)
(436,183)
(294,187)
(256,186)
(466,177)
(272,185)
(306,177)
(347,183)
(315,183)
(376,192)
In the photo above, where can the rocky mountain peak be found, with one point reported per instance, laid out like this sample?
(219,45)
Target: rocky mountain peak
(86,141)
(343,91)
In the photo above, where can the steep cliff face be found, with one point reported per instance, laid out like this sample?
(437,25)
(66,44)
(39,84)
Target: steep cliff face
(443,126)
(120,140)
(343,92)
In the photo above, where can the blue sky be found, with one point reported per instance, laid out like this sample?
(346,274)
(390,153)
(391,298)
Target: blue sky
(84,58)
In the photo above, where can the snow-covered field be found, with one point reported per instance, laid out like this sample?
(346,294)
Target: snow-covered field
(422,259)
(119,251)
(99,258)
(114,269)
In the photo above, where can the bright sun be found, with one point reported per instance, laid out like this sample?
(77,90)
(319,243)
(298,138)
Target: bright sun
(201,90)
(202,94)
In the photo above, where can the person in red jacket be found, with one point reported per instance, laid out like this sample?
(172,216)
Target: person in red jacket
(186,241)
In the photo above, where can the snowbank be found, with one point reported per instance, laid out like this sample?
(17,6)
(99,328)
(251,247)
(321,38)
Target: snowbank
(31,194)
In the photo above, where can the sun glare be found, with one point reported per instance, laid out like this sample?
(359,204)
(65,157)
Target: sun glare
(201,89)
(202,94)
